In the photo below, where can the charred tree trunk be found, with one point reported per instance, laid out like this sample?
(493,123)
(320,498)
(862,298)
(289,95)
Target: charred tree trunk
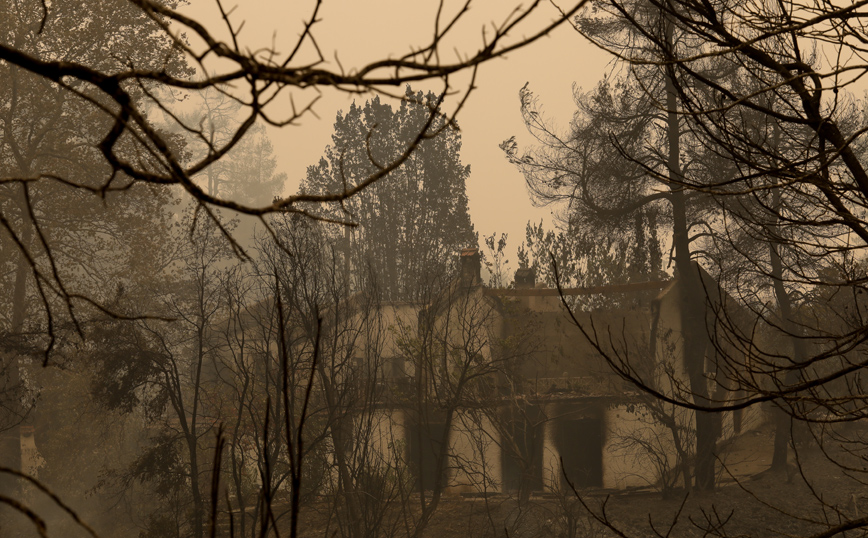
(691,293)
(342,444)
(782,419)
(10,437)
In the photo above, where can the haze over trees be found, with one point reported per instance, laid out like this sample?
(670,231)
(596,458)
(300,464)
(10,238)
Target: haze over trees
(413,220)
(140,299)
(132,95)
(343,370)
(738,111)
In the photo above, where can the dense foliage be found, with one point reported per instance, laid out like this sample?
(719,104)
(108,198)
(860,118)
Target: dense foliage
(411,222)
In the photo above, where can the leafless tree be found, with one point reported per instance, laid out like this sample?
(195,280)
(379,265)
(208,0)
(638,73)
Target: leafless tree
(89,120)
(130,144)
(761,90)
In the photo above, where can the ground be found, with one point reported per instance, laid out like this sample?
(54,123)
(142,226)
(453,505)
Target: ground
(748,501)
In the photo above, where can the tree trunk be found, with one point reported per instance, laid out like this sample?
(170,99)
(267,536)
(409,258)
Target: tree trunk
(342,441)
(10,439)
(782,420)
(691,293)
(196,493)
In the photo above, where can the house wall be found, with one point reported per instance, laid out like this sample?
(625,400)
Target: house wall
(468,328)
(474,454)
(377,339)
(573,441)
(473,460)
(668,343)
(624,463)
(670,364)
(399,321)
(637,448)
(634,449)
(386,437)
(551,458)
(31,459)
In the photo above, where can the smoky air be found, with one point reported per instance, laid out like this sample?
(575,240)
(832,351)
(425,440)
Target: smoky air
(409,270)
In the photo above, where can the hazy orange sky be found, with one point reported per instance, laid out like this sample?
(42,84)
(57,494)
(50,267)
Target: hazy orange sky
(356,32)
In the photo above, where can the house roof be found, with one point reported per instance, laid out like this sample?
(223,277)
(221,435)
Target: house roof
(554,292)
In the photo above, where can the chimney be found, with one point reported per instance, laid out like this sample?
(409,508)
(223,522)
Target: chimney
(525,278)
(470,267)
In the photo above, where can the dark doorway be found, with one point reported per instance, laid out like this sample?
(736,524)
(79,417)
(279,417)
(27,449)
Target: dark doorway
(580,443)
(425,447)
(522,453)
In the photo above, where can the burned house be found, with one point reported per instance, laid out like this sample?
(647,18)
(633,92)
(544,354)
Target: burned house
(503,390)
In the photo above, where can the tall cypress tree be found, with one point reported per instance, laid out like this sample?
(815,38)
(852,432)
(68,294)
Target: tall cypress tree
(411,222)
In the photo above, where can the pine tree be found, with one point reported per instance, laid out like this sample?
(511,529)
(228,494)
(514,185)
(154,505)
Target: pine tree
(412,221)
